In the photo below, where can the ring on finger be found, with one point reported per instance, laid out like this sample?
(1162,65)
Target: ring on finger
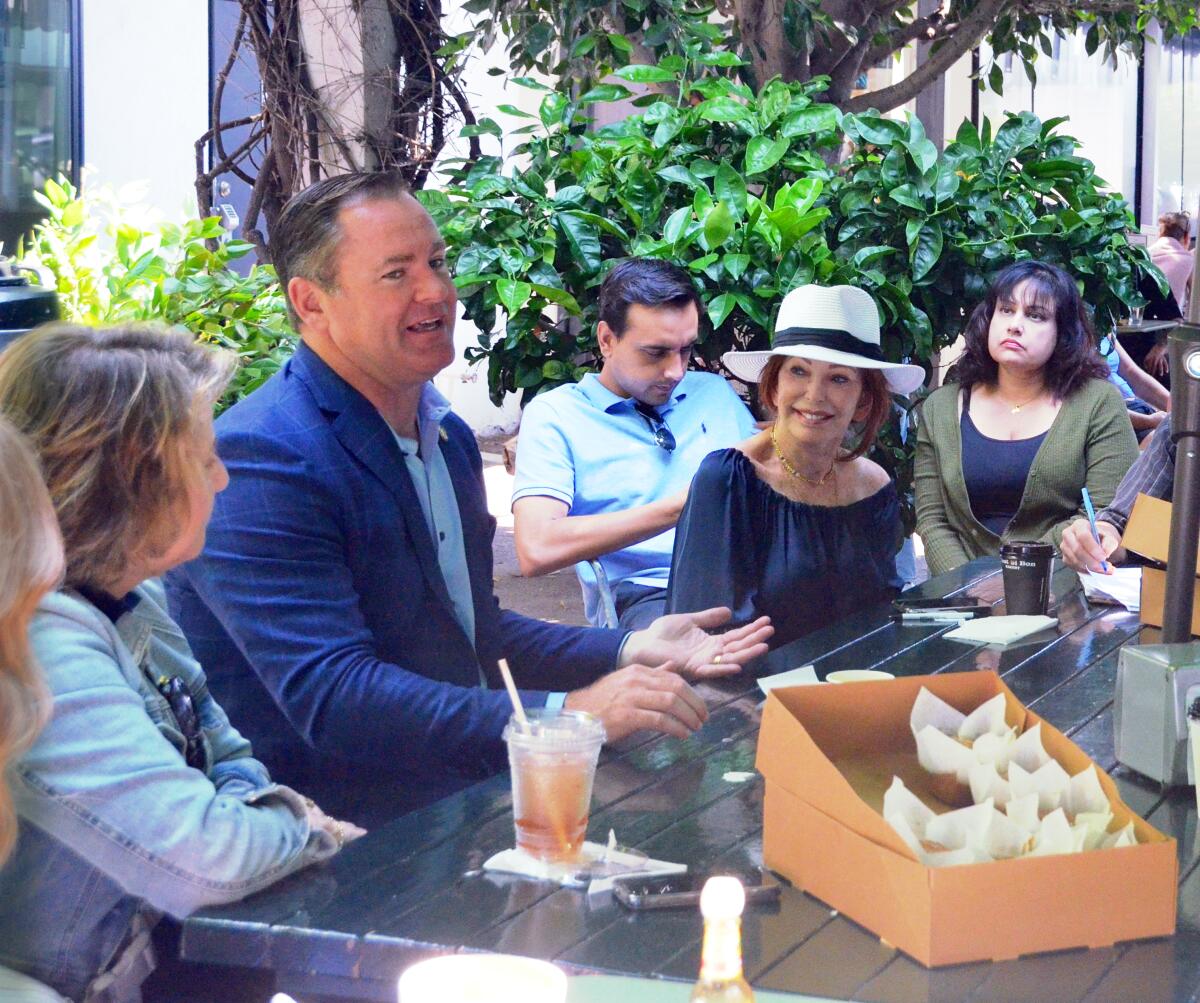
(339,834)
(718,658)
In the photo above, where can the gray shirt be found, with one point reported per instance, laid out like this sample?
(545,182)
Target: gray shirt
(431,480)
(1152,473)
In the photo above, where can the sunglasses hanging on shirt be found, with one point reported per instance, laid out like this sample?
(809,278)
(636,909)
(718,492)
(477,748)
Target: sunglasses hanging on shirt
(662,434)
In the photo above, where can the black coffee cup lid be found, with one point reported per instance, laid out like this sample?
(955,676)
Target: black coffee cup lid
(1027,547)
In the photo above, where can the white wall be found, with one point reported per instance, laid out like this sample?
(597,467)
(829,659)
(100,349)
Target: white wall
(466,386)
(145,96)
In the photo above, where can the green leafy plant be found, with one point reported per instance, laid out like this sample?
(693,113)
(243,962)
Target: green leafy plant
(109,267)
(579,41)
(739,187)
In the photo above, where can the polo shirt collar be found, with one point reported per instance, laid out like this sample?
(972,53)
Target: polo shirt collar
(601,397)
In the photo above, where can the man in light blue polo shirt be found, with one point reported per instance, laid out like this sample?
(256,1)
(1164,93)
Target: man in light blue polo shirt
(604,466)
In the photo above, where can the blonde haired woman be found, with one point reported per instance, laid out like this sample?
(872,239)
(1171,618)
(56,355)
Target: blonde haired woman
(138,797)
(31,564)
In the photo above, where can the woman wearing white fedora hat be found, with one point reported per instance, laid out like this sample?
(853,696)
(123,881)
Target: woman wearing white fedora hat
(796,522)
(1005,451)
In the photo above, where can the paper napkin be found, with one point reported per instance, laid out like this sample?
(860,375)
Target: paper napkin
(805,675)
(517,861)
(1000,629)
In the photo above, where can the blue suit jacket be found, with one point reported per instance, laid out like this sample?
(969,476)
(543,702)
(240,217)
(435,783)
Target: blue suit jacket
(321,617)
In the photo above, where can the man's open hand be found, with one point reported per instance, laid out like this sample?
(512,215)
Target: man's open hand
(683,639)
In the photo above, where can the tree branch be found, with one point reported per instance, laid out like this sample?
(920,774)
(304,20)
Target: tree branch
(971,31)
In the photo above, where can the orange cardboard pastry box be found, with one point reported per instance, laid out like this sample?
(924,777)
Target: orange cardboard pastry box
(1148,533)
(828,754)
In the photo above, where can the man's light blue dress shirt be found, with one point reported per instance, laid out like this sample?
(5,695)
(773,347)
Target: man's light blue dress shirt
(435,490)
(587,447)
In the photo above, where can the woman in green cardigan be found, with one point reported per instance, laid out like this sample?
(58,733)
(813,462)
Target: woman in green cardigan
(1004,453)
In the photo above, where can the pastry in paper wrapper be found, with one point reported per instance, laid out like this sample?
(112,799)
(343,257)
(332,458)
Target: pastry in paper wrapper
(1018,800)
(950,743)
(986,783)
(1049,783)
(982,833)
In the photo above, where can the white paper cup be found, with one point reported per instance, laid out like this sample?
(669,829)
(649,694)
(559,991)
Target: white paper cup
(1194,745)
(857,675)
(483,978)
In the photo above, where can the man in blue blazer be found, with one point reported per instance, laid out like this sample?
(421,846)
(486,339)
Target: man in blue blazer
(343,605)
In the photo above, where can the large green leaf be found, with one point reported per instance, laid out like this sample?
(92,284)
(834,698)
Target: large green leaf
(736,265)
(719,309)
(816,118)
(731,190)
(605,92)
(723,109)
(637,73)
(513,294)
(679,174)
(927,249)
(582,238)
(877,130)
(907,195)
(763,153)
(677,223)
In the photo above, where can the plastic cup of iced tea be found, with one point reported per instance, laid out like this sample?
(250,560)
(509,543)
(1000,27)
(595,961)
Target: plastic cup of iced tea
(553,763)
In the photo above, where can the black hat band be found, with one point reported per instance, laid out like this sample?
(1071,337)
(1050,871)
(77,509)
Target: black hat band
(824,337)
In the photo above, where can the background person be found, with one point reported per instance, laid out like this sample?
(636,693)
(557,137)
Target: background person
(1171,252)
(797,523)
(344,599)
(1004,453)
(1146,400)
(31,564)
(603,465)
(138,797)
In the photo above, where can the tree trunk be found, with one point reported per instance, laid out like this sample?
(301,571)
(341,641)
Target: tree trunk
(771,54)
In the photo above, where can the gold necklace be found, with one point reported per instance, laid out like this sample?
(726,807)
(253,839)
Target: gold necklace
(1016,408)
(790,468)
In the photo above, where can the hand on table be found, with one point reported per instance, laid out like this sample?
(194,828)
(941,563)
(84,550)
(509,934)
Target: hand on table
(342,832)
(1158,360)
(639,697)
(683,639)
(1081,551)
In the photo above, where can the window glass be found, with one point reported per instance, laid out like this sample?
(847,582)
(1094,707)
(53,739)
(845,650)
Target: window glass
(1177,153)
(37,113)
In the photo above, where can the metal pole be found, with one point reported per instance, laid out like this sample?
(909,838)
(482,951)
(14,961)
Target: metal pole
(1185,433)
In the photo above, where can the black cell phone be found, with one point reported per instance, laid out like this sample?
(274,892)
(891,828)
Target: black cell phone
(681,891)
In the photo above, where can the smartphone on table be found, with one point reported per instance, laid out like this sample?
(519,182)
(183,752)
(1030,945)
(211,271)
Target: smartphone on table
(681,891)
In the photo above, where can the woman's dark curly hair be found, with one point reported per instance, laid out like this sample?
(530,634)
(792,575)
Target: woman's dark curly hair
(1075,359)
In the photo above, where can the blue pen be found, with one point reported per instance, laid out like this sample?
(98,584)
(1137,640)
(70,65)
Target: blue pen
(1091,512)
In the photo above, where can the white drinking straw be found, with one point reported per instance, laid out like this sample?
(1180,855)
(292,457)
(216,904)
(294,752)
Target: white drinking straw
(513,695)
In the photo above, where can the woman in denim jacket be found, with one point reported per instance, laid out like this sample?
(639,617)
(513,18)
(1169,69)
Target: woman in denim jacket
(138,798)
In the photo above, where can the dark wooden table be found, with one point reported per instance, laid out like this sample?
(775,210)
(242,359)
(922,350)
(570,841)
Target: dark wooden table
(412,888)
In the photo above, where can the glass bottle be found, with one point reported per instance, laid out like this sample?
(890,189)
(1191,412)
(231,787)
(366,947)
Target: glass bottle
(721,979)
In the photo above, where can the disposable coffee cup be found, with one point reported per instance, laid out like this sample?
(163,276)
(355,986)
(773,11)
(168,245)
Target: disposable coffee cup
(1193,723)
(1027,568)
(553,764)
